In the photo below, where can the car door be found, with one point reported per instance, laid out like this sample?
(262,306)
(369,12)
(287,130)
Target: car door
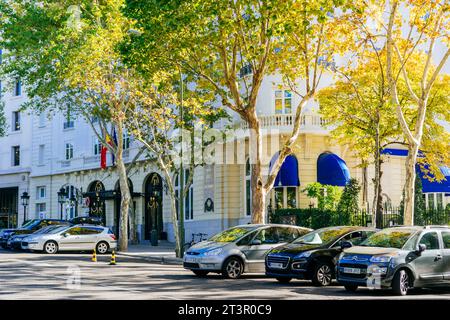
(256,253)
(69,239)
(429,265)
(89,237)
(446,254)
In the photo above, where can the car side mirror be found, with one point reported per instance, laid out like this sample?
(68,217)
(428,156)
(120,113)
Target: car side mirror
(422,248)
(64,234)
(346,245)
(256,242)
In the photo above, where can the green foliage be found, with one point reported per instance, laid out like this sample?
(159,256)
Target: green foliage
(327,196)
(349,202)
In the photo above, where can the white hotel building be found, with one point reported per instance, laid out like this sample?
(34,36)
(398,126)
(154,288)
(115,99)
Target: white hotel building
(43,154)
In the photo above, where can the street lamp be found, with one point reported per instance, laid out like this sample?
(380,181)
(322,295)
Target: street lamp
(25,200)
(154,206)
(61,199)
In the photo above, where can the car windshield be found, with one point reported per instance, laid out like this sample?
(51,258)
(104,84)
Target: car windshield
(30,223)
(58,229)
(323,236)
(389,238)
(232,234)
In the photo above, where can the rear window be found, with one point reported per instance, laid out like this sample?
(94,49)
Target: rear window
(90,230)
(446,239)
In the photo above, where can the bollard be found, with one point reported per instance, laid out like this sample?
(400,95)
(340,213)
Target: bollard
(94,256)
(113,258)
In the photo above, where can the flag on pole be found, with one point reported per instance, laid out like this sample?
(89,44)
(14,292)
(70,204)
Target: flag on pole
(103,157)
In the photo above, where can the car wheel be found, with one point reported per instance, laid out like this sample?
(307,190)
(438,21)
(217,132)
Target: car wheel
(232,268)
(102,247)
(200,273)
(50,247)
(284,279)
(323,274)
(400,283)
(351,288)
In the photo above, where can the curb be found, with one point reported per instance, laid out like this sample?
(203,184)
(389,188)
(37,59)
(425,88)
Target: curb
(157,259)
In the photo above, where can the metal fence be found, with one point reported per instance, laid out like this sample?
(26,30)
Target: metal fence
(317,218)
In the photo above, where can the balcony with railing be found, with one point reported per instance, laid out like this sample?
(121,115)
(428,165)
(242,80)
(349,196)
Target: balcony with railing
(309,123)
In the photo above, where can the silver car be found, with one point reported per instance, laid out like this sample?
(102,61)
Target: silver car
(73,238)
(239,249)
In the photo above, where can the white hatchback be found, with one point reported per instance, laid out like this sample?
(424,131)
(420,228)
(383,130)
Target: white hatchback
(72,238)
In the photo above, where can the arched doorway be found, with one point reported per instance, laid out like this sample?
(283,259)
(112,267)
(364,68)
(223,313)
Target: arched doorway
(153,206)
(97,200)
(117,203)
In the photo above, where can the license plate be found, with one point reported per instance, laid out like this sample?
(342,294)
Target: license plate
(276,265)
(191,259)
(352,270)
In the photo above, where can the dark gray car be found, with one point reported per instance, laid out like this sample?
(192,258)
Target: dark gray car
(239,249)
(399,258)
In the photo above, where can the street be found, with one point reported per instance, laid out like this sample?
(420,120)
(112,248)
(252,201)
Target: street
(74,276)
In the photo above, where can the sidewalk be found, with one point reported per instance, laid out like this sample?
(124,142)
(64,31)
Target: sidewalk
(163,253)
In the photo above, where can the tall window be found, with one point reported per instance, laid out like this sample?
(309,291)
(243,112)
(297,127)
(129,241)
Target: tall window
(188,197)
(69,151)
(248,188)
(16,156)
(283,101)
(40,192)
(16,121)
(97,147)
(126,141)
(18,88)
(41,154)
(42,119)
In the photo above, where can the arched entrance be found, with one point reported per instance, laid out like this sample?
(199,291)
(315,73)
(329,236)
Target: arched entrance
(153,206)
(97,200)
(117,203)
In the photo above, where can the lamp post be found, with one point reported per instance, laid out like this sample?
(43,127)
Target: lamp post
(154,206)
(25,200)
(61,199)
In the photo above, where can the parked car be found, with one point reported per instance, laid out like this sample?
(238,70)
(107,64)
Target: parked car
(314,255)
(28,228)
(87,220)
(239,249)
(400,258)
(15,241)
(73,238)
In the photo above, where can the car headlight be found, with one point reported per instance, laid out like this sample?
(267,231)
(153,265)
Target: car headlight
(213,252)
(305,254)
(379,259)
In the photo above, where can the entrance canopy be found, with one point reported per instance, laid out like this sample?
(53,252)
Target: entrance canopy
(442,186)
(288,174)
(332,170)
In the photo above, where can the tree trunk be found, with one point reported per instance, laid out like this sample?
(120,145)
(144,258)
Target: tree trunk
(124,191)
(408,215)
(378,200)
(258,192)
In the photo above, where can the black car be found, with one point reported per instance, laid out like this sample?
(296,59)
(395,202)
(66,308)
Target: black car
(314,255)
(28,228)
(87,220)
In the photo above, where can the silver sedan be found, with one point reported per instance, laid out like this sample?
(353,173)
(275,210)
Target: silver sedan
(73,238)
(239,249)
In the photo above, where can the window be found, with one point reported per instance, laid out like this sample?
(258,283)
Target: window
(69,124)
(267,236)
(126,141)
(283,101)
(287,234)
(285,197)
(69,151)
(446,239)
(16,121)
(439,201)
(16,156)
(431,240)
(97,147)
(41,208)
(430,200)
(40,192)
(248,188)
(18,88)
(188,197)
(41,154)
(75,231)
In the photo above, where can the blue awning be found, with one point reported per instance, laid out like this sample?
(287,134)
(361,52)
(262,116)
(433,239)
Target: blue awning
(288,174)
(442,186)
(395,152)
(332,170)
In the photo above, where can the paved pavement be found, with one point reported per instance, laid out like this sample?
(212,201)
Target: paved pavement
(164,252)
(73,276)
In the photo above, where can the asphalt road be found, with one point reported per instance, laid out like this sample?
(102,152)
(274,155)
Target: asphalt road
(73,276)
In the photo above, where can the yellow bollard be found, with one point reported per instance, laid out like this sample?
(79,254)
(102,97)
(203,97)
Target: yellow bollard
(94,256)
(113,258)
